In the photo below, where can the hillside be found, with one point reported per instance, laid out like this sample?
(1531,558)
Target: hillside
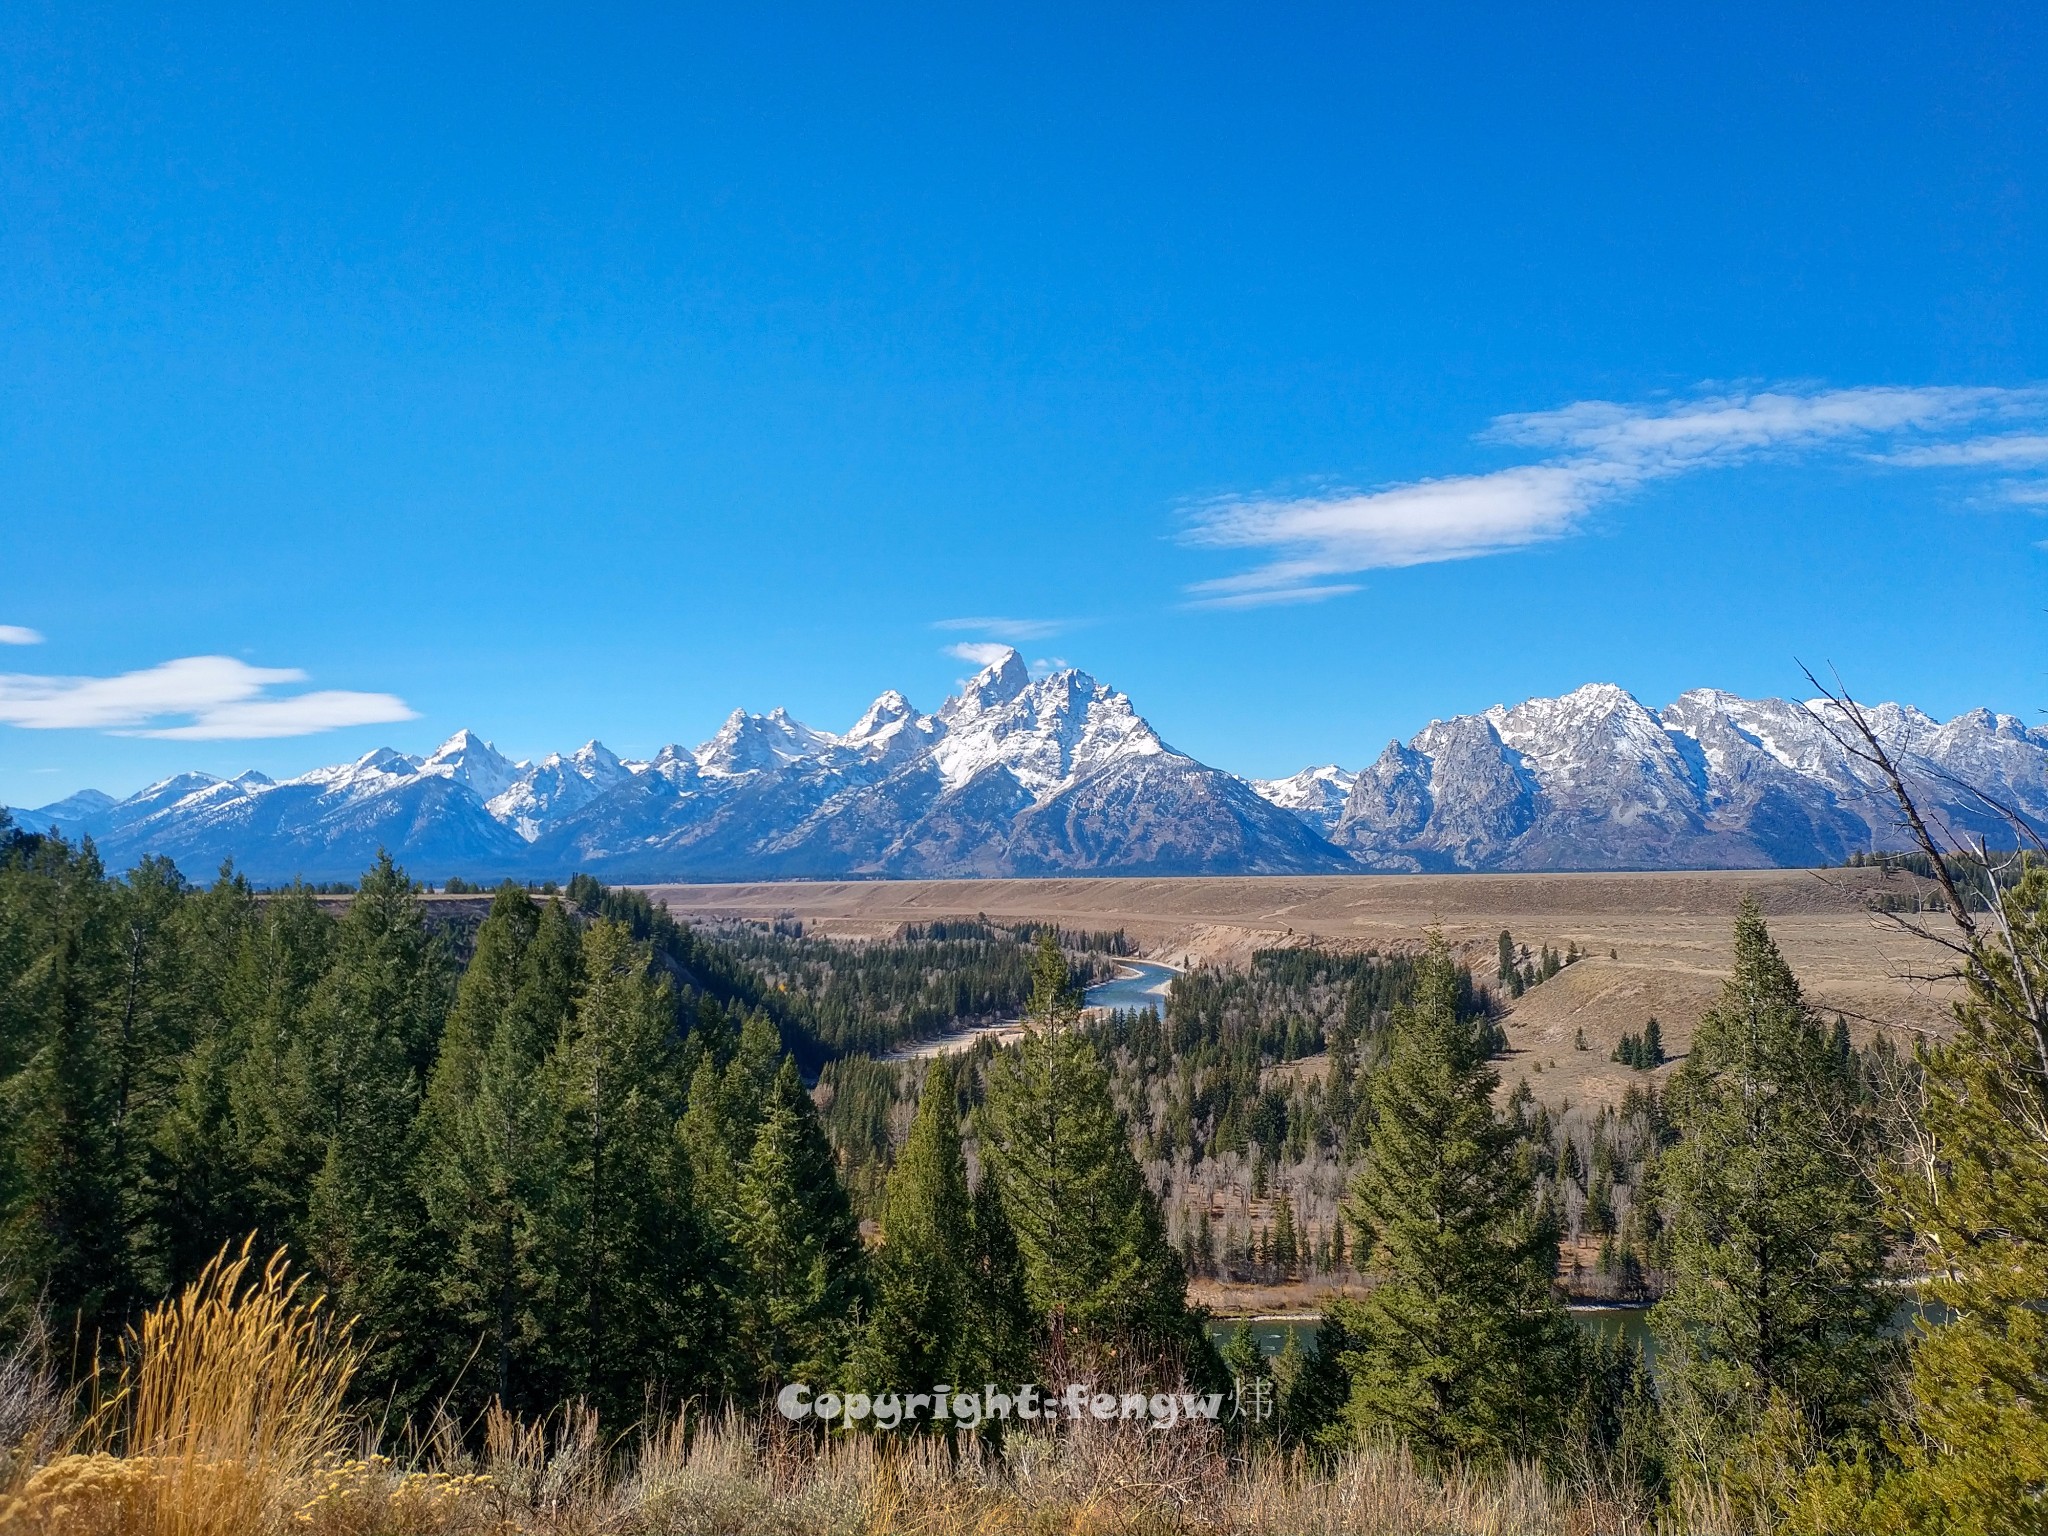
(1017,776)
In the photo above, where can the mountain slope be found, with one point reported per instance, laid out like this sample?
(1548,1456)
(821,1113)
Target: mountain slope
(1594,780)
(1061,775)
(1010,776)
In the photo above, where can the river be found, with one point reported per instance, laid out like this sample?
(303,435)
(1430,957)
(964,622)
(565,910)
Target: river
(1139,984)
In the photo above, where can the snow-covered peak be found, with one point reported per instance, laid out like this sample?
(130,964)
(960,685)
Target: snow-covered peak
(557,785)
(1740,737)
(749,743)
(1598,707)
(1315,793)
(82,806)
(1050,733)
(181,794)
(1593,735)
(594,757)
(675,763)
(376,770)
(995,685)
(175,788)
(165,796)
(889,709)
(889,726)
(467,759)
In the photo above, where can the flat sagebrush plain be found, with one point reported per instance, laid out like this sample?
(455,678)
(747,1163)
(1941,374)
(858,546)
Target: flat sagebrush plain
(1657,944)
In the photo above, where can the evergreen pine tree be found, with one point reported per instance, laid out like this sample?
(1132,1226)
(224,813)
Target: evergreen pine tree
(273,1092)
(1096,1259)
(1463,1347)
(1000,1342)
(1974,1452)
(62,1209)
(918,1331)
(148,1027)
(199,1187)
(1286,1248)
(800,1244)
(729,1089)
(1252,1382)
(370,1028)
(633,1272)
(489,1166)
(1774,1239)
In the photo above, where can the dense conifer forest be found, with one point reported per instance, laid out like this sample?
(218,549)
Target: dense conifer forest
(582,1154)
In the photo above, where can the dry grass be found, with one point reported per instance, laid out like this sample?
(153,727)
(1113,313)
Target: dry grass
(226,1401)
(228,1419)
(35,1411)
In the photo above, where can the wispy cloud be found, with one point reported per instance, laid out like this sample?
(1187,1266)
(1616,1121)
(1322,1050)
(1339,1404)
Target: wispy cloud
(981,653)
(1597,451)
(195,698)
(19,634)
(1018,630)
(2008,451)
(1262,596)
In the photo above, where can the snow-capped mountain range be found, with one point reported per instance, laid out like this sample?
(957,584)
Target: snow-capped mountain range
(1061,775)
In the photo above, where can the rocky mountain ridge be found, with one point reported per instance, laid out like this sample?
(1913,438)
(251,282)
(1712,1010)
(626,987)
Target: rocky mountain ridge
(1061,775)
(1596,780)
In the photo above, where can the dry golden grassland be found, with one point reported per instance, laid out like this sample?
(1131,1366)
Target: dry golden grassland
(227,1417)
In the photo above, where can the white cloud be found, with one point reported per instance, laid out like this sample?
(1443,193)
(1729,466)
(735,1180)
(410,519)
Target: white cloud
(1723,428)
(2016,448)
(1009,629)
(1266,596)
(195,698)
(19,634)
(983,653)
(1599,451)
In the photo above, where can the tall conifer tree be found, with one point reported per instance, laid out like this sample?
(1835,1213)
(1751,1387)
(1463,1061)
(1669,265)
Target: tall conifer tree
(364,1049)
(200,1180)
(1462,1347)
(800,1244)
(1775,1243)
(62,1212)
(488,1164)
(1095,1255)
(273,1090)
(1973,1447)
(918,1333)
(1001,1333)
(635,1304)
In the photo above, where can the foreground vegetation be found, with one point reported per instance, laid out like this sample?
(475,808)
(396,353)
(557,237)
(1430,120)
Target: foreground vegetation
(225,1413)
(553,1225)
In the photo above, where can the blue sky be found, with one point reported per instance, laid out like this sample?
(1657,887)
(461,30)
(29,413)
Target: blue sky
(1305,375)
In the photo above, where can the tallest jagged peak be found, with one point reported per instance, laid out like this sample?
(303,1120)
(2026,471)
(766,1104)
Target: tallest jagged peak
(1003,679)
